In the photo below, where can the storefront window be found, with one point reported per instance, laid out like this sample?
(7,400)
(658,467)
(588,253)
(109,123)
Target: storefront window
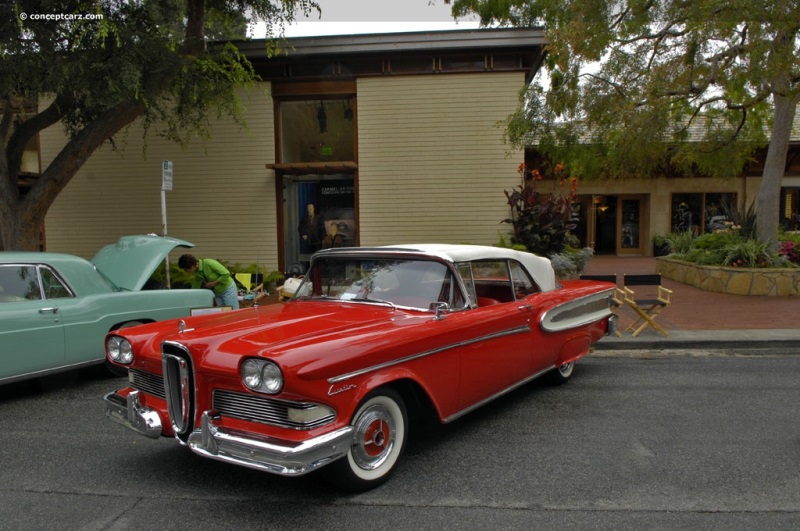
(790,208)
(700,212)
(317,130)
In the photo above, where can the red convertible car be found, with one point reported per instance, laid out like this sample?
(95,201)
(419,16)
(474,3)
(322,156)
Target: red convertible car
(327,380)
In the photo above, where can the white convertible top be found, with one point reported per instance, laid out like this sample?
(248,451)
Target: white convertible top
(539,267)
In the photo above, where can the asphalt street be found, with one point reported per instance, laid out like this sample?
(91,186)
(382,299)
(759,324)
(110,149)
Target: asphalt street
(637,440)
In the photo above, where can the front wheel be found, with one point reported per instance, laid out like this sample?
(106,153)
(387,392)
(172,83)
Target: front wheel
(379,438)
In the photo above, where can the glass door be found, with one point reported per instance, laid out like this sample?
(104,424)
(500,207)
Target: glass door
(629,226)
(319,212)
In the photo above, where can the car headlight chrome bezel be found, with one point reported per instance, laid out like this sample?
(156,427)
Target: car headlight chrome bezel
(261,375)
(119,350)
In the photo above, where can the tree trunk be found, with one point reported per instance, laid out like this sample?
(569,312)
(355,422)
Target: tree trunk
(20,229)
(769,193)
(20,220)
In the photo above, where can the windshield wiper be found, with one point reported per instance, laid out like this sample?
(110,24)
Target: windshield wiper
(376,301)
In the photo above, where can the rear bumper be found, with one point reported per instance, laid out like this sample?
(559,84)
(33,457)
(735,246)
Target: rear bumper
(212,440)
(613,324)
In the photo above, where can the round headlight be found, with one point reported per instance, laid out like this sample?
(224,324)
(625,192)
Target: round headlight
(262,376)
(251,374)
(119,350)
(273,379)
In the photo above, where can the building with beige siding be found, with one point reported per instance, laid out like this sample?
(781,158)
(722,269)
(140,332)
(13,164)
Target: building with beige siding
(391,138)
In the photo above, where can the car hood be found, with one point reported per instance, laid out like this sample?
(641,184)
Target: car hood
(130,262)
(299,329)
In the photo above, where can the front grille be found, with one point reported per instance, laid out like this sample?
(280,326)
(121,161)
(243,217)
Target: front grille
(178,386)
(152,384)
(261,409)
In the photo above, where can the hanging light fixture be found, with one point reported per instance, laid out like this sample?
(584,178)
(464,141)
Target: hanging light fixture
(348,111)
(322,117)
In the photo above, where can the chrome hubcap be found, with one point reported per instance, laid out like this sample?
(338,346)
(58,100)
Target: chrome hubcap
(374,437)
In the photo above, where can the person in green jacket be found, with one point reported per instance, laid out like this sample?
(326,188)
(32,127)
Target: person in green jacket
(208,273)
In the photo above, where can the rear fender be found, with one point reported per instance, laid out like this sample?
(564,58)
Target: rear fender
(574,348)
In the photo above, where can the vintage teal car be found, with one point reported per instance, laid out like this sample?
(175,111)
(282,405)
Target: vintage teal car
(55,309)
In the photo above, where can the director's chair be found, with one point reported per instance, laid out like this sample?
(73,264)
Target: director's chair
(647,306)
(616,298)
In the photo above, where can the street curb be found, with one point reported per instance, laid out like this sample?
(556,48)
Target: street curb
(784,340)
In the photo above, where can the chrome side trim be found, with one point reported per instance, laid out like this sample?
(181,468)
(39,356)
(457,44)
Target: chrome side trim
(130,413)
(46,372)
(577,312)
(255,451)
(511,331)
(498,394)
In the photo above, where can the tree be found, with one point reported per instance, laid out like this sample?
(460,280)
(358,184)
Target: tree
(637,87)
(97,65)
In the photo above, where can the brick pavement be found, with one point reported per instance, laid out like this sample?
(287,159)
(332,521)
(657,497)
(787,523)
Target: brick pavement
(696,309)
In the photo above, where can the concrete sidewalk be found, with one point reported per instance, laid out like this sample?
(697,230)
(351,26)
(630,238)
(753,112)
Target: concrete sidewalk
(701,319)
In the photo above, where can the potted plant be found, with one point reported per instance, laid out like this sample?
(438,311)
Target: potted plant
(660,245)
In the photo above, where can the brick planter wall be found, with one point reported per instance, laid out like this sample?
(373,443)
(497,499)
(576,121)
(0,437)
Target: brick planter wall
(732,280)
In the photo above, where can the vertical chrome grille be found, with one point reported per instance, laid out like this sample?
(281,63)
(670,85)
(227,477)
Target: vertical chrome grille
(178,386)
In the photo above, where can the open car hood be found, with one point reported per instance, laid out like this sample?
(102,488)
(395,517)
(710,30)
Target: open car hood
(130,262)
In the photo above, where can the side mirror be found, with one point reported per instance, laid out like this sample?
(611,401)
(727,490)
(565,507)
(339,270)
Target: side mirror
(441,308)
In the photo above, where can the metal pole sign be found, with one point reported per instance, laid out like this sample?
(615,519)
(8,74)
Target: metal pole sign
(166,176)
(166,186)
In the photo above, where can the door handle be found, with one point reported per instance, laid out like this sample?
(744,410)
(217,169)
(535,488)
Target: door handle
(526,307)
(48,310)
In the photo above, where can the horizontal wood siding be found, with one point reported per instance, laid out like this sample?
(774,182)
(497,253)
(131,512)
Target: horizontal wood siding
(223,198)
(432,162)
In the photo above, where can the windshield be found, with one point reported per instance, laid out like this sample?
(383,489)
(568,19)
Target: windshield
(408,283)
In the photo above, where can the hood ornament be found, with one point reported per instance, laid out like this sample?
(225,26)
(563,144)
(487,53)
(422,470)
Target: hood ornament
(181,326)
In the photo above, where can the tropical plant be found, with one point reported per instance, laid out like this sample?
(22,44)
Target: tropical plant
(745,221)
(542,221)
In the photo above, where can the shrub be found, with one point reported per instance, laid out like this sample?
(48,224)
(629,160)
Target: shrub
(716,240)
(747,253)
(790,250)
(571,263)
(680,242)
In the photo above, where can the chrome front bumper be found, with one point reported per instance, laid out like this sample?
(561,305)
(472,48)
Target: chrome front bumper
(266,453)
(131,414)
(242,448)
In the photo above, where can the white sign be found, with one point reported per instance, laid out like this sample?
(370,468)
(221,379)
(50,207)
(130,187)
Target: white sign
(166,176)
